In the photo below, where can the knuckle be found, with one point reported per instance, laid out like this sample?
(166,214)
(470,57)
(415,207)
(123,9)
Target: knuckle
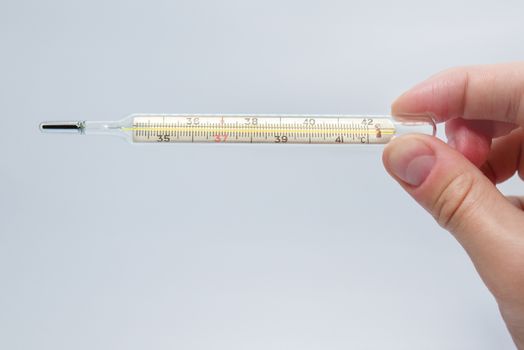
(456,201)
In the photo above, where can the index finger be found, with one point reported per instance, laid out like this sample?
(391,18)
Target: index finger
(486,92)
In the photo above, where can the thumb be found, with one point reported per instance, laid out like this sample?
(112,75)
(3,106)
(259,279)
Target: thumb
(463,201)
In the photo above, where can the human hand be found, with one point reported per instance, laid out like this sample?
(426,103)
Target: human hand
(483,108)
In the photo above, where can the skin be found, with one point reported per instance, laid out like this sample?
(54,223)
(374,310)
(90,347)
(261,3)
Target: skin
(483,110)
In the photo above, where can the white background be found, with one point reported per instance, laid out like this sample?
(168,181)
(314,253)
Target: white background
(106,245)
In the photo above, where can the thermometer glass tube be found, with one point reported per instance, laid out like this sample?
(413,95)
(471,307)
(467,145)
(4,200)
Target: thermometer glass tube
(252,128)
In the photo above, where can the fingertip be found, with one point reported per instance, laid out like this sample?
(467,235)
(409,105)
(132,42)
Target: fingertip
(441,95)
(401,152)
(406,103)
(409,159)
(474,147)
(469,139)
(422,98)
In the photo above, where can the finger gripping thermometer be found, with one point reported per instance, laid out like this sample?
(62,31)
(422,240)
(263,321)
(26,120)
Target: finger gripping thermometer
(252,128)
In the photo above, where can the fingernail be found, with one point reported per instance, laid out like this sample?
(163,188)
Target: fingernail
(411,160)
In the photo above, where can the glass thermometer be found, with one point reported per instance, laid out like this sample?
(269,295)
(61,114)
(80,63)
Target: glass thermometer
(252,128)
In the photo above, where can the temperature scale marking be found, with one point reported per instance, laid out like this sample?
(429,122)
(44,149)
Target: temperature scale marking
(262,129)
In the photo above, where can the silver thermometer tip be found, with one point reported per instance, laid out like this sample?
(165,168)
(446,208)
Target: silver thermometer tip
(70,127)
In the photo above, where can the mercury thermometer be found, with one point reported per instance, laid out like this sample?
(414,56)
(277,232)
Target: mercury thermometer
(252,128)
